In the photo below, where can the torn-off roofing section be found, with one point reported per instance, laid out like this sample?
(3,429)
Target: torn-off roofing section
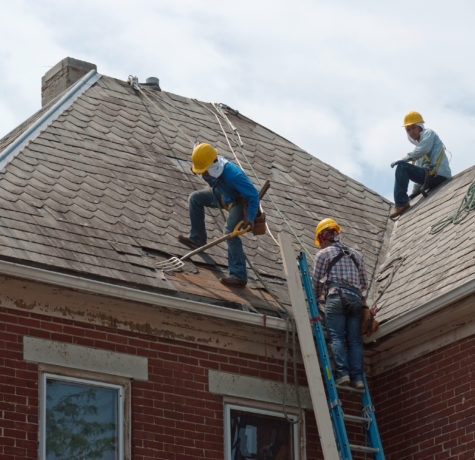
(102,192)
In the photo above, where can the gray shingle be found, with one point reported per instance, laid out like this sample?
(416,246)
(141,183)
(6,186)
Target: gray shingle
(103,192)
(433,264)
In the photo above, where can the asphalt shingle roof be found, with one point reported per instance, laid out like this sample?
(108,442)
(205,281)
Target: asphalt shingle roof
(102,192)
(419,266)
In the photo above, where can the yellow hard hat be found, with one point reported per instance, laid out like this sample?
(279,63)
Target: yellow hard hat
(412,118)
(325,224)
(203,157)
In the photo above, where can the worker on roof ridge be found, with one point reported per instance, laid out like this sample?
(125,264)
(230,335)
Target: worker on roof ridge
(339,277)
(431,166)
(232,190)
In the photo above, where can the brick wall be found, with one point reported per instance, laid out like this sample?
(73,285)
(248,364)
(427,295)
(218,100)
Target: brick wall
(173,415)
(425,408)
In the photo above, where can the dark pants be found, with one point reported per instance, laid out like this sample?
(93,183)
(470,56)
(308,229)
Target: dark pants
(406,172)
(343,321)
(206,198)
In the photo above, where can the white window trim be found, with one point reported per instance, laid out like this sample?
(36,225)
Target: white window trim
(247,408)
(97,383)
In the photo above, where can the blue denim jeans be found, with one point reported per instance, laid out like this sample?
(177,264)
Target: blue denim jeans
(206,198)
(406,172)
(343,320)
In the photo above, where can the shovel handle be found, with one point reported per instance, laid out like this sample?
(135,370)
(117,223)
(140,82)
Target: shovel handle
(235,232)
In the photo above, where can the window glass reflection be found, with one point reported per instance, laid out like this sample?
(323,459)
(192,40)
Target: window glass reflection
(81,421)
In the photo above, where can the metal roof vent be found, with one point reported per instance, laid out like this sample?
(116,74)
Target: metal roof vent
(153,82)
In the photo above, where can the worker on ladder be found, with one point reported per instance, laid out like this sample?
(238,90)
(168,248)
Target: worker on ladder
(232,190)
(339,276)
(431,168)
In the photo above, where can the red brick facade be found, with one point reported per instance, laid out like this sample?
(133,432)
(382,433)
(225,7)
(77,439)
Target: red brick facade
(424,409)
(174,417)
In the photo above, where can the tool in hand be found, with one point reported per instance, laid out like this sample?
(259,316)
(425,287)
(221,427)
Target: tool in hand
(175,263)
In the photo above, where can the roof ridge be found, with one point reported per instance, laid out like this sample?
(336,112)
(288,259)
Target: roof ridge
(39,125)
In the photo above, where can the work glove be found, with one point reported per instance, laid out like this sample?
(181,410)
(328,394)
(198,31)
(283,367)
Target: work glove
(394,163)
(246,223)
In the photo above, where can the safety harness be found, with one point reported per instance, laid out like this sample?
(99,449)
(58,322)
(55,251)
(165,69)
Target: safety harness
(430,172)
(368,323)
(344,251)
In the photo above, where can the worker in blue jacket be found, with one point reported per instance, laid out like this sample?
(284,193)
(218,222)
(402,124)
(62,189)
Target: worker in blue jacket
(232,190)
(431,166)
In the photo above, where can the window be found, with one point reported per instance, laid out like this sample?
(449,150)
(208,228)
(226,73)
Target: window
(81,419)
(256,434)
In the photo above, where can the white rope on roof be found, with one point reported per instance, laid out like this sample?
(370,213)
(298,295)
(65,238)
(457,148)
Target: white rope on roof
(241,146)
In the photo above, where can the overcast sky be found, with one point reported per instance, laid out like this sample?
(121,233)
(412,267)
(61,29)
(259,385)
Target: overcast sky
(334,77)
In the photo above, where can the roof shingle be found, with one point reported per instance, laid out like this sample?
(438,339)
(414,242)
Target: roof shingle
(103,192)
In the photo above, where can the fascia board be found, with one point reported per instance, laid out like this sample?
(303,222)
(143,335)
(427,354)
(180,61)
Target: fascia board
(137,295)
(414,315)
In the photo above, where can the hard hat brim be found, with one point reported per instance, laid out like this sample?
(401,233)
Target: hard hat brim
(200,170)
(414,123)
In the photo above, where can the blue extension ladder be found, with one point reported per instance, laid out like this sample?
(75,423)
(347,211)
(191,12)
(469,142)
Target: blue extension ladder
(337,416)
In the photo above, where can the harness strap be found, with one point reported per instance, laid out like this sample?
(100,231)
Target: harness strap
(344,251)
(439,159)
(347,287)
(430,172)
(433,171)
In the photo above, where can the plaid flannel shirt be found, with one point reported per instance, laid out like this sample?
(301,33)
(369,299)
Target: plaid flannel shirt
(344,271)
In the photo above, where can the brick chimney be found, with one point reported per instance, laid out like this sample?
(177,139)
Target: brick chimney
(60,77)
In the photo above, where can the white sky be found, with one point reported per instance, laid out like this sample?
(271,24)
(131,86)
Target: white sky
(335,77)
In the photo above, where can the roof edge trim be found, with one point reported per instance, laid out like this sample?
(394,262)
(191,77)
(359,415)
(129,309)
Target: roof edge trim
(137,295)
(65,101)
(429,307)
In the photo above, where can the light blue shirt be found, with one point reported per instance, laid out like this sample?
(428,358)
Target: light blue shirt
(430,144)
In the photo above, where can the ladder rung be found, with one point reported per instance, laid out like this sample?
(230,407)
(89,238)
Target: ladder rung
(368,450)
(350,388)
(356,418)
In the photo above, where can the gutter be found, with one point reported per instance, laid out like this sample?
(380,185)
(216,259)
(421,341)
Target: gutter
(432,306)
(137,295)
(33,131)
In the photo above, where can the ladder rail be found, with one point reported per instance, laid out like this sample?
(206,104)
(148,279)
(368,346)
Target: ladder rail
(325,425)
(372,431)
(327,406)
(336,411)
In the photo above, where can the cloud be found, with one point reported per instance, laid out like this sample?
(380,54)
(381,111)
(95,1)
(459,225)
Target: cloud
(335,78)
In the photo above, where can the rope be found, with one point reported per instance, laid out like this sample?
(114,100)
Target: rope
(289,320)
(133,81)
(240,165)
(467,205)
(242,152)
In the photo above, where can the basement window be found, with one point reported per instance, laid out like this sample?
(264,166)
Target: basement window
(256,434)
(80,419)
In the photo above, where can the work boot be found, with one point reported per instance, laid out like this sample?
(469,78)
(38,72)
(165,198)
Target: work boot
(398,210)
(359,385)
(343,381)
(187,242)
(230,281)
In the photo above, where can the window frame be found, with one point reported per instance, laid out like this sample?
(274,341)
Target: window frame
(91,379)
(228,406)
